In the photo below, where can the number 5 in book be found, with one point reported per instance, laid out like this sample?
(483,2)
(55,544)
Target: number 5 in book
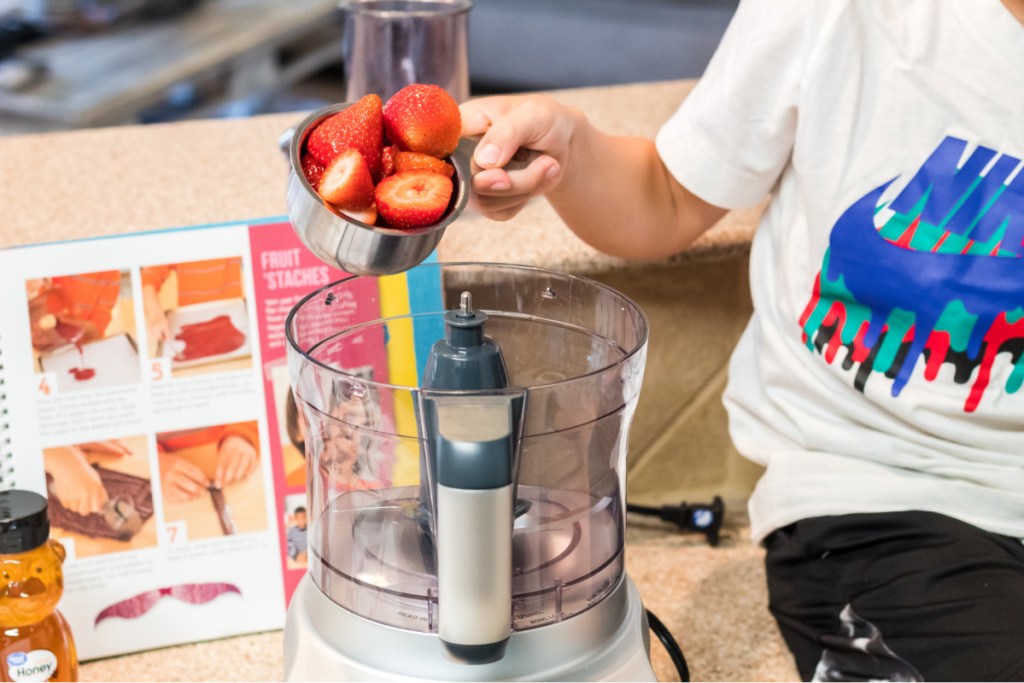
(46,384)
(159,370)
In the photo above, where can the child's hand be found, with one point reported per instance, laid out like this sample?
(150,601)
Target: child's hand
(180,480)
(236,459)
(158,328)
(508,123)
(43,325)
(75,483)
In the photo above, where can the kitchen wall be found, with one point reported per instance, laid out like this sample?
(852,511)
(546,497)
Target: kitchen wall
(540,44)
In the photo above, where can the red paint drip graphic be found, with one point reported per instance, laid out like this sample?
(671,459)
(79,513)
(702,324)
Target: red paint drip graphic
(811,305)
(998,334)
(209,338)
(860,351)
(938,347)
(835,316)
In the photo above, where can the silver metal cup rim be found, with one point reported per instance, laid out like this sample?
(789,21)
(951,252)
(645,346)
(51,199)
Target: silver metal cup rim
(438,8)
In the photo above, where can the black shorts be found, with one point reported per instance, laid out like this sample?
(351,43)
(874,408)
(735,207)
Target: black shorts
(898,596)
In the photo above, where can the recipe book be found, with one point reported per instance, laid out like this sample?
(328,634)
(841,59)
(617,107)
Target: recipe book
(150,370)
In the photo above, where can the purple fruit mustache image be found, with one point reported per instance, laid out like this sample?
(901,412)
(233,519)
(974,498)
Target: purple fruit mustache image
(193,593)
(942,278)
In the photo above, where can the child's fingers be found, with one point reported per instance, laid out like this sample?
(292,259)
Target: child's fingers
(539,176)
(220,473)
(514,123)
(179,492)
(500,194)
(478,115)
(193,475)
(98,499)
(81,505)
(231,472)
(187,486)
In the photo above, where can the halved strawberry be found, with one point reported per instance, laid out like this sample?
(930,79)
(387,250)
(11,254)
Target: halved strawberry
(360,126)
(312,169)
(346,182)
(413,199)
(367,215)
(423,118)
(413,161)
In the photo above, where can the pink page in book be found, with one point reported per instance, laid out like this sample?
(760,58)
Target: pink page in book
(284,272)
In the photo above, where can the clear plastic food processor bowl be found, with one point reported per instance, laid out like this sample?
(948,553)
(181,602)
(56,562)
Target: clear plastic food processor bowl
(574,352)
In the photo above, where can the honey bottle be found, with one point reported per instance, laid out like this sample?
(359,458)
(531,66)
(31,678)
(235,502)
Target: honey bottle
(35,640)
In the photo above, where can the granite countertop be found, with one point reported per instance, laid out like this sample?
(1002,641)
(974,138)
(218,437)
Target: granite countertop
(89,183)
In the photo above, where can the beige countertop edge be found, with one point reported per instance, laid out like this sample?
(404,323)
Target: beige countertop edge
(89,183)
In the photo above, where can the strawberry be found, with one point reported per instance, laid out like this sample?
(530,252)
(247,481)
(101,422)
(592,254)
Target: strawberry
(413,199)
(423,118)
(312,169)
(388,159)
(360,126)
(367,215)
(412,161)
(346,182)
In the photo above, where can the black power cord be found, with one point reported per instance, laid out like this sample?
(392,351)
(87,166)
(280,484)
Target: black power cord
(674,651)
(702,518)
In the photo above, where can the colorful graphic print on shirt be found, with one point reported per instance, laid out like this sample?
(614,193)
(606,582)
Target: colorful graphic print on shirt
(936,274)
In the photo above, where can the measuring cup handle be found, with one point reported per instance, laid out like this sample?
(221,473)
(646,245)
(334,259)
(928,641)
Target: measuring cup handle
(284,141)
(523,157)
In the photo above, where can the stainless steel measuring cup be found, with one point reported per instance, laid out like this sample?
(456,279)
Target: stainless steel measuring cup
(349,244)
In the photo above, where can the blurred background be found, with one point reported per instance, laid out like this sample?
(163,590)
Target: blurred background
(67,64)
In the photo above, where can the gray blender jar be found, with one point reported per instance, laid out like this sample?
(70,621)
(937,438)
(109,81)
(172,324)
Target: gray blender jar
(467,497)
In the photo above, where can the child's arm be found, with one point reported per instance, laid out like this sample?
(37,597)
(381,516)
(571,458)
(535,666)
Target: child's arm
(614,192)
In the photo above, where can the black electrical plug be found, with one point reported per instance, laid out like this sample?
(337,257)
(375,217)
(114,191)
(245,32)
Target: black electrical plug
(703,518)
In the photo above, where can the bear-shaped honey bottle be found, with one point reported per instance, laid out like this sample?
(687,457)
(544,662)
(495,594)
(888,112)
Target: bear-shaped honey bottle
(35,640)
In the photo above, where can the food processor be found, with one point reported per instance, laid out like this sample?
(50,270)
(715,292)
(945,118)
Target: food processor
(466,461)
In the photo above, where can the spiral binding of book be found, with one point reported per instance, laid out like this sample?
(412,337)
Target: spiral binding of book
(6,452)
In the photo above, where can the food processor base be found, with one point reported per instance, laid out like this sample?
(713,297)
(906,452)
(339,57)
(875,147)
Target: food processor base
(325,642)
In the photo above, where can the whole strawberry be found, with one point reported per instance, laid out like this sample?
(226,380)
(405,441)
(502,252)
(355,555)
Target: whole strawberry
(423,118)
(360,126)
(413,199)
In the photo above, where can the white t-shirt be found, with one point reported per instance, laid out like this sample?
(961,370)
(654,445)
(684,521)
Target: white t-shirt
(882,368)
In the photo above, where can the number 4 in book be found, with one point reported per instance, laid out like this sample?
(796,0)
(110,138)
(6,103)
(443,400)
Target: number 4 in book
(46,384)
